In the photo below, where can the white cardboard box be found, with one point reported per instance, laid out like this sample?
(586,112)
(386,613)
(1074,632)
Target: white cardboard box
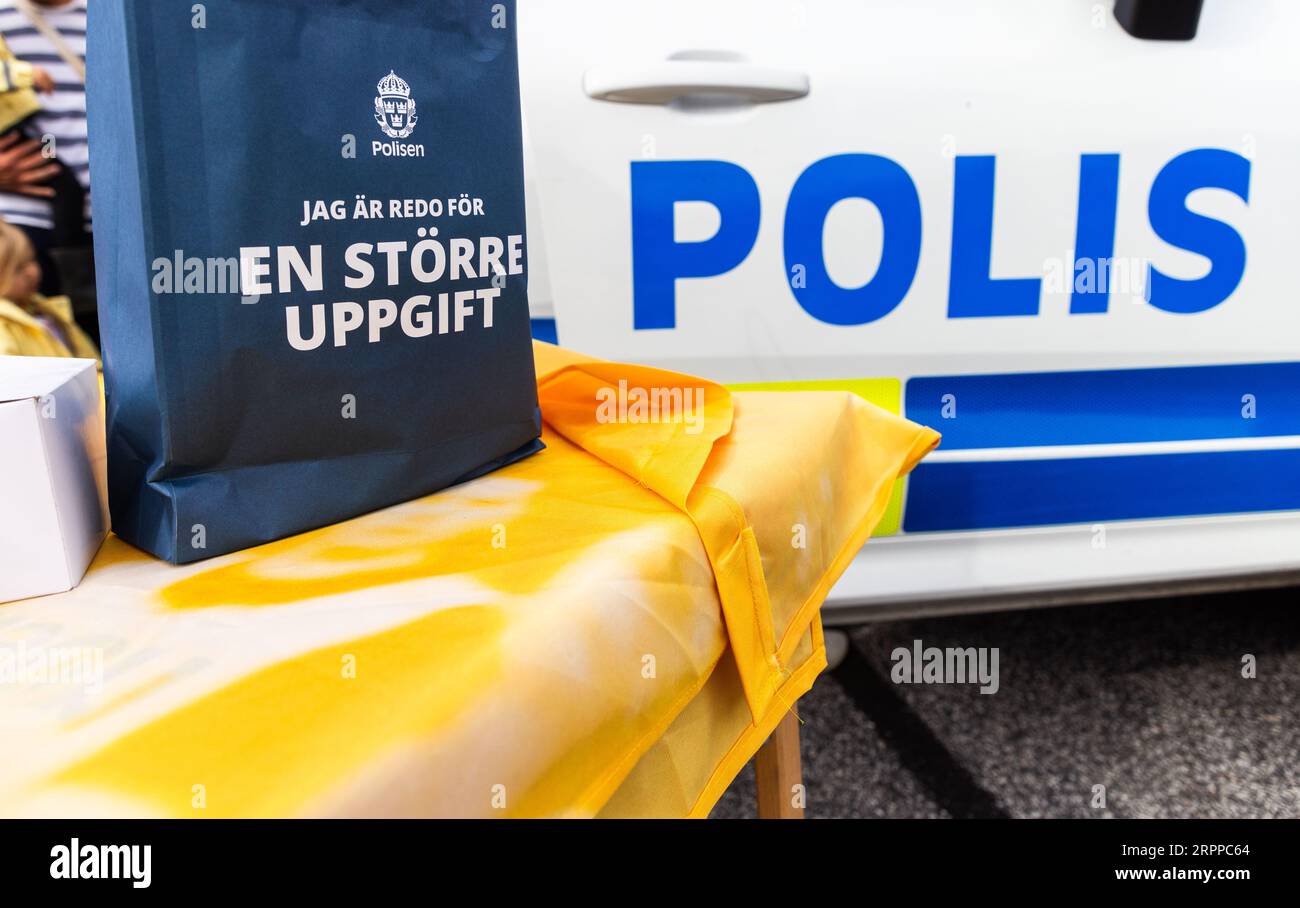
(53,488)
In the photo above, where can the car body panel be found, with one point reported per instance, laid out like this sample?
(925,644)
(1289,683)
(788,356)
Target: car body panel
(933,215)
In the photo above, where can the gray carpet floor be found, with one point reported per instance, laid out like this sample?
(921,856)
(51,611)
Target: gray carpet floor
(1144,698)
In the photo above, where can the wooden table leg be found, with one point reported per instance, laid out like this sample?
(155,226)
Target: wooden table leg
(780,773)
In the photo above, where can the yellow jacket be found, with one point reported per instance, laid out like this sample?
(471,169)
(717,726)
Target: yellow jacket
(23,334)
(18,100)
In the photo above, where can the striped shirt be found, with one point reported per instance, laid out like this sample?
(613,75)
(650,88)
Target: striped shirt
(62,114)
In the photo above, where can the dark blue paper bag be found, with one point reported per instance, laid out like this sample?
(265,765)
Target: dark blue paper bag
(309,226)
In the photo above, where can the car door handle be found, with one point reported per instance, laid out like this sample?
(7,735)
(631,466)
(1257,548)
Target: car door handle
(668,80)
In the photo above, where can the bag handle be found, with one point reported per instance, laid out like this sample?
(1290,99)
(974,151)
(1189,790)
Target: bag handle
(69,56)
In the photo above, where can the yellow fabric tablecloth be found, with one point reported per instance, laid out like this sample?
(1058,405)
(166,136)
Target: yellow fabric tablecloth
(610,627)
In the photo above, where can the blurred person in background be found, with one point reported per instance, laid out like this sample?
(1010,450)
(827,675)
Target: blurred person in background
(32,324)
(44,157)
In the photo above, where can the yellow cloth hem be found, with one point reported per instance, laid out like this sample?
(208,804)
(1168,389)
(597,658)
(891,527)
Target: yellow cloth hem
(798,684)
(594,798)
(924,444)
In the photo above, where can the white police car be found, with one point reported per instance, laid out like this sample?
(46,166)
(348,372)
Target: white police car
(1061,232)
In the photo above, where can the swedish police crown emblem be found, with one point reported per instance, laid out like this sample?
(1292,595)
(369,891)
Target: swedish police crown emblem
(394,107)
